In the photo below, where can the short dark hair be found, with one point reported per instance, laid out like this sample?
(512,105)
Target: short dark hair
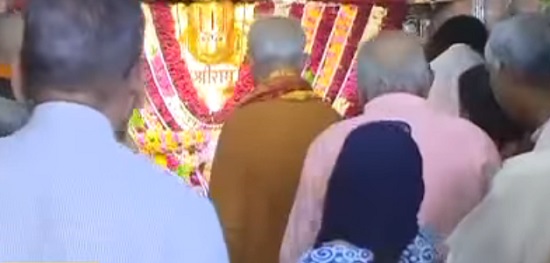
(71,43)
(476,97)
(462,29)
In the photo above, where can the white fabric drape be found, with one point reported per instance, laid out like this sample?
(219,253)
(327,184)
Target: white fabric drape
(447,70)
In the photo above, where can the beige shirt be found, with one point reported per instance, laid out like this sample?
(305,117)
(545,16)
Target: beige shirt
(511,225)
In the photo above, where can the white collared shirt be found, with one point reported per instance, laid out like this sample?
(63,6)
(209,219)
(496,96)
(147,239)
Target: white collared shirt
(69,192)
(541,137)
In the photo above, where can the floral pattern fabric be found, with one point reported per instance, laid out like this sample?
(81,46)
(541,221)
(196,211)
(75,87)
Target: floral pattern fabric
(421,250)
(338,253)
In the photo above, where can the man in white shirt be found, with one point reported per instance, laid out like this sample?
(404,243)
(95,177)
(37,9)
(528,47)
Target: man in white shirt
(68,191)
(511,224)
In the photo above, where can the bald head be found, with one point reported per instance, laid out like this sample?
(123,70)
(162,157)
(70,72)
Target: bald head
(276,43)
(393,62)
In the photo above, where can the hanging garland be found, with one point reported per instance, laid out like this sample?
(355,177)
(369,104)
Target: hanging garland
(175,99)
(170,47)
(157,100)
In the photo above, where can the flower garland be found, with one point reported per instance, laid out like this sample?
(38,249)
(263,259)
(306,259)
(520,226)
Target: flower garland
(375,23)
(325,23)
(346,60)
(337,44)
(157,101)
(170,47)
(187,150)
(180,152)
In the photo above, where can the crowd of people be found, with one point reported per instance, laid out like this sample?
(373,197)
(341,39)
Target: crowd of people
(448,161)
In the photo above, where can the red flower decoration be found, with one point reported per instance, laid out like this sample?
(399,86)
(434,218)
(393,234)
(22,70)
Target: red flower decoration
(170,47)
(157,100)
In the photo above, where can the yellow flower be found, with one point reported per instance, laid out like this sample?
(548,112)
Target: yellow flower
(171,144)
(161,160)
(199,137)
(187,140)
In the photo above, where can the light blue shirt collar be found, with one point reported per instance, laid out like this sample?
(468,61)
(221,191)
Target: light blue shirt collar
(72,121)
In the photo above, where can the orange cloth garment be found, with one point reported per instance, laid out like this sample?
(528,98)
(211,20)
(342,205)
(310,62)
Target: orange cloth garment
(5,71)
(257,165)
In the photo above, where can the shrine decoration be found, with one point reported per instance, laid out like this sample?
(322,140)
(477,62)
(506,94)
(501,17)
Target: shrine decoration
(179,152)
(197,72)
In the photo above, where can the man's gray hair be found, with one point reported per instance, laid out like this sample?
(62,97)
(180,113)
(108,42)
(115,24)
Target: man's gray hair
(393,62)
(521,44)
(277,40)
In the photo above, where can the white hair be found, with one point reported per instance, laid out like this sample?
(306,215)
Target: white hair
(276,39)
(522,44)
(393,62)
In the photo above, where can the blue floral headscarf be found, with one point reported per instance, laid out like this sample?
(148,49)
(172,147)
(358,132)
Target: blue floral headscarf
(373,198)
(421,250)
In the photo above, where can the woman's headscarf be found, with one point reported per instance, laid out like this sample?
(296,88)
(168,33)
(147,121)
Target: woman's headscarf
(375,191)
(448,68)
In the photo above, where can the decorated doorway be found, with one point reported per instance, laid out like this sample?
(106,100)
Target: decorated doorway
(196,69)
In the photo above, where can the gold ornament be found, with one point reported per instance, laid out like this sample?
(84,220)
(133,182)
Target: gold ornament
(211,36)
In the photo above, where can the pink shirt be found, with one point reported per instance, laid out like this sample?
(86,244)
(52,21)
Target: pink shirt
(459,161)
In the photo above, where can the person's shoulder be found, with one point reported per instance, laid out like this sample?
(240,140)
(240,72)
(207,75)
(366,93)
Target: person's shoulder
(337,130)
(531,164)
(339,127)
(143,169)
(528,171)
(9,145)
(463,128)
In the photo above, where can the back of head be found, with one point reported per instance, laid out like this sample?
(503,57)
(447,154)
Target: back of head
(482,108)
(461,29)
(393,62)
(373,198)
(522,44)
(71,46)
(276,43)
(518,57)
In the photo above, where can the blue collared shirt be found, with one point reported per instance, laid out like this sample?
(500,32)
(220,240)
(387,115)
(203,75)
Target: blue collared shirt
(70,192)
